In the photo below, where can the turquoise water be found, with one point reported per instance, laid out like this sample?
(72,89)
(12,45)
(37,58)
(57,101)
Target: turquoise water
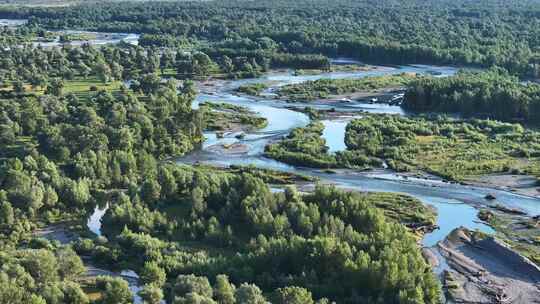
(455,204)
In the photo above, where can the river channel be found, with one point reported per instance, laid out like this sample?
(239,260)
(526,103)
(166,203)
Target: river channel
(455,203)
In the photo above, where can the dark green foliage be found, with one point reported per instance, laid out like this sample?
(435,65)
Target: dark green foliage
(293,33)
(197,235)
(306,147)
(64,150)
(115,291)
(47,275)
(151,294)
(293,295)
(224,290)
(492,94)
(242,228)
(303,146)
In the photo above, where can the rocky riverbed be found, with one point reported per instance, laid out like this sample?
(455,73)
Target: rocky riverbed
(484,269)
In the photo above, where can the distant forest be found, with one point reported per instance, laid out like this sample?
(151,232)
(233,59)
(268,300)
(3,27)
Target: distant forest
(484,33)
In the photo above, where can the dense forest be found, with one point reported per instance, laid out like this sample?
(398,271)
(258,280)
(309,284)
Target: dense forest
(491,94)
(484,33)
(69,136)
(235,225)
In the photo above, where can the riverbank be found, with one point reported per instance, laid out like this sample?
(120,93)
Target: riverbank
(483,269)
(226,118)
(348,89)
(521,184)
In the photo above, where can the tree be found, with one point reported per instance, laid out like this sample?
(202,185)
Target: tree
(73,294)
(116,291)
(41,264)
(151,273)
(201,64)
(149,83)
(7,216)
(103,72)
(150,191)
(50,197)
(7,134)
(224,290)
(167,182)
(53,294)
(77,192)
(193,298)
(293,295)
(227,64)
(192,284)
(38,80)
(55,87)
(70,264)
(18,87)
(151,294)
(249,294)
(198,204)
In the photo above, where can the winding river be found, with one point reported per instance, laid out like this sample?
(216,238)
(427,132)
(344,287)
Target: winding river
(455,203)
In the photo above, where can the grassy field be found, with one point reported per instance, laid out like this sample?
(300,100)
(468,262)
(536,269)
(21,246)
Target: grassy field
(81,87)
(227,117)
(404,209)
(451,148)
(78,86)
(325,88)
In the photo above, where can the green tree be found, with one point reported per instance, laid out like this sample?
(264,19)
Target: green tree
(41,264)
(18,87)
(70,265)
(193,298)
(77,192)
(192,284)
(249,294)
(293,295)
(151,294)
(149,83)
(73,294)
(150,191)
(103,72)
(7,216)
(116,291)
(55,87)
(224,290)
(151,273)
